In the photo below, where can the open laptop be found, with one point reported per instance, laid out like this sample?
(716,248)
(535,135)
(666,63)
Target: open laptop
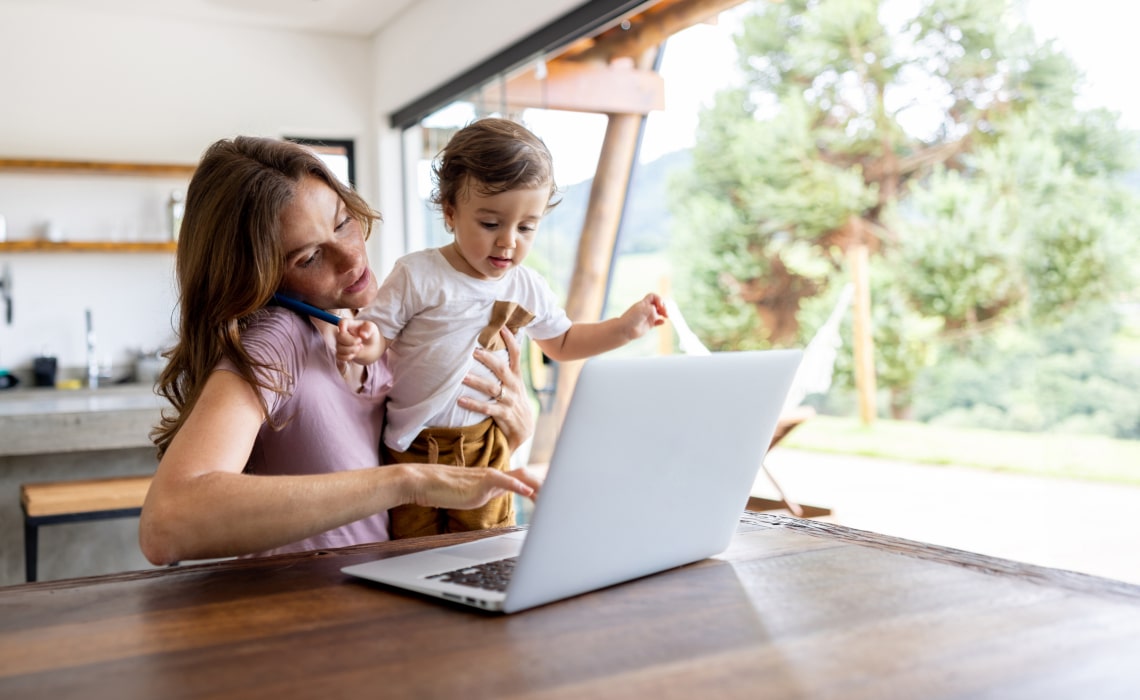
(652,468)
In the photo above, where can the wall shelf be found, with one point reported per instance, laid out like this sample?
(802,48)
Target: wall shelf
(97,167)
(88,247)
(93,168)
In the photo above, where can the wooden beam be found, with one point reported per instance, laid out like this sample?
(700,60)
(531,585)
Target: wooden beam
(603,215)
(645,34)
(617,88)
(652,27)
(587,292)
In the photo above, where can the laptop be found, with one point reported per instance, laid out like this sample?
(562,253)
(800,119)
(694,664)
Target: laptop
(652,468)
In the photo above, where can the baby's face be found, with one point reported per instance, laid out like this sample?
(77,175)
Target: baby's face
(494,232)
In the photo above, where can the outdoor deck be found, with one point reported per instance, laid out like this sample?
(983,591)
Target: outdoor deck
(1083,526)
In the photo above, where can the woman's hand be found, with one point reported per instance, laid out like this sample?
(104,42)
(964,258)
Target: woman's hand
(463,488)
(510,406)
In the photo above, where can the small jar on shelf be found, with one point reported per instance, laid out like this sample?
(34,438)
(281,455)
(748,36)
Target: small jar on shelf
(176,207)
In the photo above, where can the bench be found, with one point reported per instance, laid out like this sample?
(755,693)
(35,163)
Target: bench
(51,503)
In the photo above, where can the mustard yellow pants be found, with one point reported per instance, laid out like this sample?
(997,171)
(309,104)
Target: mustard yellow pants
(479,445)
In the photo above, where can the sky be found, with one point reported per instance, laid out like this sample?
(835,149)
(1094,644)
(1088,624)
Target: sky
(1098,35)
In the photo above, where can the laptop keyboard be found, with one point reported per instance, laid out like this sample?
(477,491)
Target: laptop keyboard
(492,575)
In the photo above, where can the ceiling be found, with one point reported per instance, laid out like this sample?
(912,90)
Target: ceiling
(349,17)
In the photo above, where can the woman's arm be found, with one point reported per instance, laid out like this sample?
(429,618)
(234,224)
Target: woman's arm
(200,504)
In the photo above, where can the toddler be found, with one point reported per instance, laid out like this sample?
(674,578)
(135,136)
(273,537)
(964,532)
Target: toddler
(495,183)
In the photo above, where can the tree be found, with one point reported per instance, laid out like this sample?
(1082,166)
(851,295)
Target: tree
(946,141)
(1030,226)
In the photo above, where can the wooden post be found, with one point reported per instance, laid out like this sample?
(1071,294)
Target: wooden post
(665,330)
(591,270)
(864,345)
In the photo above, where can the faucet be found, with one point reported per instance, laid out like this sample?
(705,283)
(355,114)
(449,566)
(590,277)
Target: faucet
(6,293)
(92,362)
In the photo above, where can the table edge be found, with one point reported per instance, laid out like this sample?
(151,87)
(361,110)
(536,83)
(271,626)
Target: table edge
(984,563)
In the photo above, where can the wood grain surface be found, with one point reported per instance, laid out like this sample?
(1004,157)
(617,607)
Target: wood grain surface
(793,609)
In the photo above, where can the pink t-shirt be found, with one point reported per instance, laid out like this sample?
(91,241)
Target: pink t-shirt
(327,426)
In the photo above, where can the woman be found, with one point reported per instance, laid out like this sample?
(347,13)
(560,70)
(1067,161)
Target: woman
(273,446)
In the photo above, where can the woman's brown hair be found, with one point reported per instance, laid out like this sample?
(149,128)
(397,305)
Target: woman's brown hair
(230,261)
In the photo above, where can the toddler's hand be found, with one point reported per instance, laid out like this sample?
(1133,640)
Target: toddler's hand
(645,315)
(351,337)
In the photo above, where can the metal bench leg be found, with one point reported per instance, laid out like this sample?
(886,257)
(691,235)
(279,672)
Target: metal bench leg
(31,548)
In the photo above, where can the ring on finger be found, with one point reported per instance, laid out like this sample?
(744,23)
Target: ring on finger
(499,395)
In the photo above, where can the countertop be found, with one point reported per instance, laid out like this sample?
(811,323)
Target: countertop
(40,421)
(18,402)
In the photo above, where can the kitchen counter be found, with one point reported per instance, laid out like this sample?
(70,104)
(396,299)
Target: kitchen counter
(46,421)
(60,435)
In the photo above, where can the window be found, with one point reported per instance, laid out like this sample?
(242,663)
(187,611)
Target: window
(338,154)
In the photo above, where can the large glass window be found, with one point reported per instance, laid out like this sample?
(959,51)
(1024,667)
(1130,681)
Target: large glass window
(1003,311)
(694,64)
(338,154)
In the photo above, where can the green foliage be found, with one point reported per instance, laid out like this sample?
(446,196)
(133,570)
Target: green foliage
(906,342)
(955,259)
(715,258)
(1092,143)
(756,200)
(1064,455)
(950,143)
(1018,231)
(1064,377)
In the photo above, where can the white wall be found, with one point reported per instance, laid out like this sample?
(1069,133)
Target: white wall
(80,86)
(441,39)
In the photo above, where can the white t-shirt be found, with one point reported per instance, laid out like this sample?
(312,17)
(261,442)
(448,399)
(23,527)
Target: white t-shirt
(433,314)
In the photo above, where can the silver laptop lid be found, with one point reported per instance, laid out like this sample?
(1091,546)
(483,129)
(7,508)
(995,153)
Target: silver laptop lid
(653,465)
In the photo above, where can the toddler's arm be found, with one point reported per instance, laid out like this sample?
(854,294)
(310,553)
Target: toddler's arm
(584,340)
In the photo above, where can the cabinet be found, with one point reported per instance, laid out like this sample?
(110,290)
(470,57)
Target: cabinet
(92,168)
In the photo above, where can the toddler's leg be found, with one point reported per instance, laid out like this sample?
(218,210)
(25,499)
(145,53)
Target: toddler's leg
(498,512)
(486,448)
(415,521)
(410,520)
(482,445)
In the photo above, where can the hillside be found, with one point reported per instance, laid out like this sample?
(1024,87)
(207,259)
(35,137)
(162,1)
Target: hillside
(645,228)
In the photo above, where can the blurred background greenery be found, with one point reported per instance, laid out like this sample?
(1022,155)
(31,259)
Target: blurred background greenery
(999,211)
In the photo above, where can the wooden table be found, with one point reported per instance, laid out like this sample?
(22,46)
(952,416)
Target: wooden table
(794,609)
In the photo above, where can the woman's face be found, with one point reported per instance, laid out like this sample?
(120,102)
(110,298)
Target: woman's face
(326,263)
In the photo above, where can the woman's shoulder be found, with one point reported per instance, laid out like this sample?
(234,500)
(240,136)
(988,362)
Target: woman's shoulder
(276,322)
(294,355)
(273,333)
